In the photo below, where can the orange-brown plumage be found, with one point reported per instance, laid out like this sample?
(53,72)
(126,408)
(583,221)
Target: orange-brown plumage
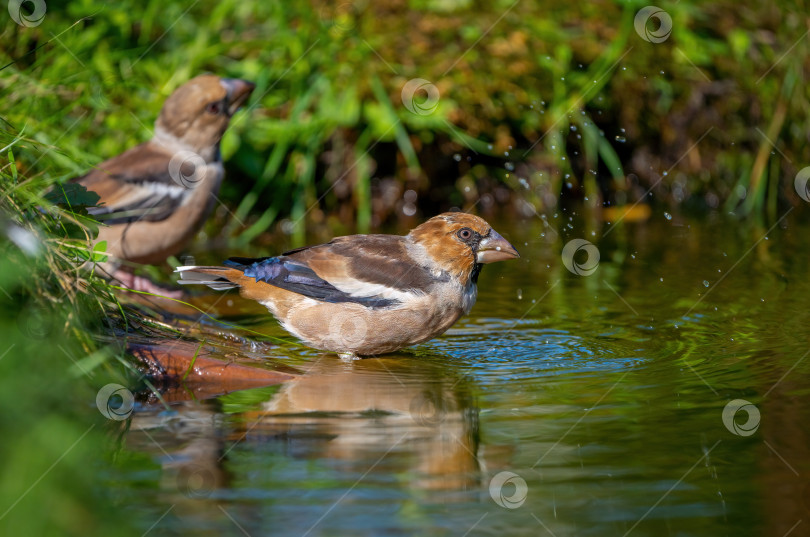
(369,294)
(450,255)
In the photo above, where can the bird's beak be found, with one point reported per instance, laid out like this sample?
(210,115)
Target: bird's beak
(495,248)
(238,92)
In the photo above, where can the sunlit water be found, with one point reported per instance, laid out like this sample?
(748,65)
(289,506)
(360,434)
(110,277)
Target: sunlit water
(602,395)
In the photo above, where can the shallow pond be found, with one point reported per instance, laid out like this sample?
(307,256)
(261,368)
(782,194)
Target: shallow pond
(609,399)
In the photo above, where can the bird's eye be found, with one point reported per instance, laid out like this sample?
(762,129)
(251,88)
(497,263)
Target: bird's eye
(465,233)
(214,108)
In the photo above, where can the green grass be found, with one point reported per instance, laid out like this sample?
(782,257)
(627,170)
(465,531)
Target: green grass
(51,365)
(556,99)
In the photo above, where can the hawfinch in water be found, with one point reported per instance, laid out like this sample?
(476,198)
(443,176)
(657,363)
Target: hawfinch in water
(156,196)
(369,294)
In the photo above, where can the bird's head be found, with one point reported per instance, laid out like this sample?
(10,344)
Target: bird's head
(458,243)
(198,112)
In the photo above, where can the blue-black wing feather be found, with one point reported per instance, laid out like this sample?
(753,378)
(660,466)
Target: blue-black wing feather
(297,277)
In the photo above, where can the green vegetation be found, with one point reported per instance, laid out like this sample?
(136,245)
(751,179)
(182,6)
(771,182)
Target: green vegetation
(533,103)
(558,99)
(51,365)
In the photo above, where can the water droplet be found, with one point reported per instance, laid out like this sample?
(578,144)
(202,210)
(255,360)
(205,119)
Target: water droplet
(457,157)
(620,139)
(667,216)
(705,283)
(520,294)
(509,166)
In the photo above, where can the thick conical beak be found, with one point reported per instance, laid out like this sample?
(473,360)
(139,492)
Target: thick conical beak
(238,92)
(495,248)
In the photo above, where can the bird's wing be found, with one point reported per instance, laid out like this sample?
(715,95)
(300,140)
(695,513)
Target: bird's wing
(373,270)
(135,185)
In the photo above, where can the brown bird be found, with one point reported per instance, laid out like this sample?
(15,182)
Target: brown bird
(369,294)
(156,196)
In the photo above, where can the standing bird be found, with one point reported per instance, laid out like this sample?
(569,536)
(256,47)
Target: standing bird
(156,196)
(369,294)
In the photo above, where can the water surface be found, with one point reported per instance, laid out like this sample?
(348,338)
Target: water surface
(602,395)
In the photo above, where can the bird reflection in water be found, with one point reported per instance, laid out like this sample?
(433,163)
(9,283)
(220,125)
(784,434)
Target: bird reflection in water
(402,415)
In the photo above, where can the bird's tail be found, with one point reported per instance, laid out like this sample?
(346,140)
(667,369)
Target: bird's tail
(219,278)
(230,276)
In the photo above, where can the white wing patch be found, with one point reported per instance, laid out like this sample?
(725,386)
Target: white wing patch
(164,189)
(361,289)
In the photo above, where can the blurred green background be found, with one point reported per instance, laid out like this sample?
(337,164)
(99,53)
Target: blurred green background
(534,102)
(528,106)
